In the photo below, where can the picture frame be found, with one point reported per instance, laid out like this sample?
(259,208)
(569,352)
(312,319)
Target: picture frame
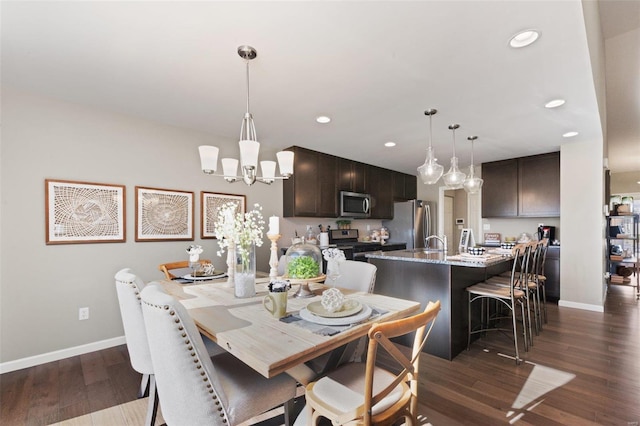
(210,203)
(84,212)
(164,214)
(466,240)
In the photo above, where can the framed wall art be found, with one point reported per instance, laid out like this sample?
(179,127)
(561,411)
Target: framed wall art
(210,203)
(84,212)
(466,240)
(163,215)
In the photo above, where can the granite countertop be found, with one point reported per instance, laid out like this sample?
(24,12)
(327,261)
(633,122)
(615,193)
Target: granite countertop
(438,257)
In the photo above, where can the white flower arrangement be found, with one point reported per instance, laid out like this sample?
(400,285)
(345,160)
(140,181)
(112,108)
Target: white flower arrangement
(194,252)
(333,254)
(239,229)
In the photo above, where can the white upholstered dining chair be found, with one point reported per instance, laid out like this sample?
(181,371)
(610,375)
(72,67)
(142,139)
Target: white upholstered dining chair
(195,389)
(128,288)
(354,275)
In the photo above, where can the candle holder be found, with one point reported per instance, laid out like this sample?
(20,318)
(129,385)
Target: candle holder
(273,260)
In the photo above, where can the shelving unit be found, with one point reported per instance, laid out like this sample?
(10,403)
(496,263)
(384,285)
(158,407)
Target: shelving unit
(622,231)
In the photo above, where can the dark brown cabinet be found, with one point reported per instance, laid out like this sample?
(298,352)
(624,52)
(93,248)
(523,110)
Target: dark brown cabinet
(552,273)
(539,180)
(522,187)
(500,189)
(405,187)
(312,191)
(379,185)
(351,175)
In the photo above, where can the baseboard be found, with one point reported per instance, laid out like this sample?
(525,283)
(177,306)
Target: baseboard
(583,306)
(31,361)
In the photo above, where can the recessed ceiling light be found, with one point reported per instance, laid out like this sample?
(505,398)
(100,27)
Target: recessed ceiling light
(524,38)
(554,103)
(570,134)
(389,144)
(323,119)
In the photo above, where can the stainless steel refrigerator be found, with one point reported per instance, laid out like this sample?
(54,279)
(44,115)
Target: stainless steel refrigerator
(412,222)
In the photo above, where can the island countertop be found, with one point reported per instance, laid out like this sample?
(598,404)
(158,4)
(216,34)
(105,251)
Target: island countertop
(438,257)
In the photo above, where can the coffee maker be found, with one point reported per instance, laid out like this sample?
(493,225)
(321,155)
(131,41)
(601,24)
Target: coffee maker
(548,232)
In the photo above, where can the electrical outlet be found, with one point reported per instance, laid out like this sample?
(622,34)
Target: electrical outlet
(83,314)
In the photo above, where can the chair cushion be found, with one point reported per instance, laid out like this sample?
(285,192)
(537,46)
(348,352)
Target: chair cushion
(249,392)
(486,289)
(344,387)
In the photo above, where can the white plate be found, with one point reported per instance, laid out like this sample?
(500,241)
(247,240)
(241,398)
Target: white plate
(204,277)
(352,319)
(350,307)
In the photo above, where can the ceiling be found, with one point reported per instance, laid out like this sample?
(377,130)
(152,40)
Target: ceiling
(373,67)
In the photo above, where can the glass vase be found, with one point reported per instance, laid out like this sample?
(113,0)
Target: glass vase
(245,273)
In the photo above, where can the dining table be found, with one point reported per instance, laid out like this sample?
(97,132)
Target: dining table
(271,345)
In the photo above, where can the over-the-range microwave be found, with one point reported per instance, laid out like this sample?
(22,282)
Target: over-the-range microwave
(354,204)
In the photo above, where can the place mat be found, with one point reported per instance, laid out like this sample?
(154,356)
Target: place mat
(327,330)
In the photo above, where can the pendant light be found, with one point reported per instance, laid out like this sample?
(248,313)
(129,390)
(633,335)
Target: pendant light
(430,171)
(454,178)
(472,184)
(249,148)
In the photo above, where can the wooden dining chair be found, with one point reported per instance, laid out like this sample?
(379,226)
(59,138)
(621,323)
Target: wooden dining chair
(183,264)
(366,394)
(195,389)
(128,288)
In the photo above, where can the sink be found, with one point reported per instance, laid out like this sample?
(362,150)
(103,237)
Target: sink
(424,250)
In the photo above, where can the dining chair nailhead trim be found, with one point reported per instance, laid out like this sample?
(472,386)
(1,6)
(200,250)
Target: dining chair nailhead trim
(205,379)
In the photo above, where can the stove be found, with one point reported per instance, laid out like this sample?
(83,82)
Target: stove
(347,241)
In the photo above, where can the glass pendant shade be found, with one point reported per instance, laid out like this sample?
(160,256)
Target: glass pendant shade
(472,184)
(208,158)
(454,178)
(430,172)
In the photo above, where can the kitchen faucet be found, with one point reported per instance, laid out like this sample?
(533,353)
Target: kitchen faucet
(443,241)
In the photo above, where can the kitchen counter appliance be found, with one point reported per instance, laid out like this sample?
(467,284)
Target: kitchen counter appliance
(347,241)
(413,221)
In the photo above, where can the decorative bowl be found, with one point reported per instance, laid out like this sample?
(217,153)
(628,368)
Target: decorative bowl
(476,251)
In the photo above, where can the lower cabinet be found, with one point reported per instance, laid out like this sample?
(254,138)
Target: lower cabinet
(552,272)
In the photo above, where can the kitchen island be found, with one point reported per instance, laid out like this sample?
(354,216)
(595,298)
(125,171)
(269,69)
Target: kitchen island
(422,276)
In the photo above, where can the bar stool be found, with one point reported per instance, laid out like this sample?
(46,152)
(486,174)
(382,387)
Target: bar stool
(506,296)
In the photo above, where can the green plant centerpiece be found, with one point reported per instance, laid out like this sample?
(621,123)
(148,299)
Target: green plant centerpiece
(302,267)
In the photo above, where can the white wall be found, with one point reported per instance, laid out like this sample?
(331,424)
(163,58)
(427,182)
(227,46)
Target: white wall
(582,223)
(42,287)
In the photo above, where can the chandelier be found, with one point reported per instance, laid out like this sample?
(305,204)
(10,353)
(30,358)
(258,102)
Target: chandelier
(249,148)
(454,178)
(430,171)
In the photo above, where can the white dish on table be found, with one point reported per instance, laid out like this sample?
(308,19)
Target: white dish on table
(351,319)
(349,307)
(204,277)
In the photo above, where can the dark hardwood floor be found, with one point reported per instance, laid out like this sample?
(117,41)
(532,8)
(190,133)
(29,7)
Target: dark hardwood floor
(584,368)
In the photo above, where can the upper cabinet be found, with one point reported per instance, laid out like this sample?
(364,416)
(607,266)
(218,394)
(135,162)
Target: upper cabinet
(312,190)
(405,187)
(351,175)
(500,189)
(317,179)
(522,187)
